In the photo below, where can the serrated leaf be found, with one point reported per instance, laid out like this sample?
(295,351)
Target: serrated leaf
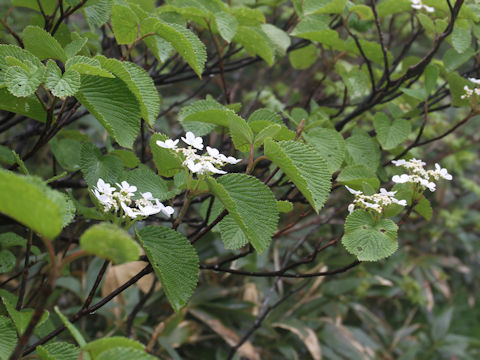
(129,159)
(284,206)
(8,338)
(58,351)
(240,131)
(424,208)
(174,260)
(94,166)
(390,134)
(17,53)
(167,161)
(114,105)
(265,114)
(10,239)
(98,13)
(121,353)
(284,133)
(256,42)
(453,60)
(77,335)
(279,38)
(28,106)
(22,318)
(268,131)
(305,168)
(124,24)
(139,83)
(74,47)
(369,239)
(67,152)
(250,203)
(40,43)
(29,201)
(304,57)
(361,149)
(355,176)
(311,25)
(21,82)
(329,143)
(61,85)
(109,242)
(461,38)
(87,66)
(7,261)
(323,6)
(185,42)
(226,24)
(97,347)
(232,235)
(147,181)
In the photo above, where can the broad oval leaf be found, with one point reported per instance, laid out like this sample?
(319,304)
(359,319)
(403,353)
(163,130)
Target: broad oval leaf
(329,143)
(256,42)
(61,85)
(114,105)
(21,82)
(8,338)
(7,261)
(124,24)
(123,353)
(305,167)
(58,351)
(31,202)
(390,134)
(357,175)
(42,44)
(167,161)
(17,53)
(251,204)
(362,149)
(94,165)
(369,239)
(28,106)
(139,83)
(174,260)
(110,242)
(95,348)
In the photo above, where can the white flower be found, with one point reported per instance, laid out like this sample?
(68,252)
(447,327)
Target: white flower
(351,207)
(131,213)
(168,144)
(475,81)
(401,179)
(191,139)
(442,172)
(354,192)
(387,193)
(400,202)
(418,5)
(430,185)
(104,187)
(207,165)
(167,210)
(127,189)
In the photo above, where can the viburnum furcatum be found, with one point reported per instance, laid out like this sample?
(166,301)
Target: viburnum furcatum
(199,164)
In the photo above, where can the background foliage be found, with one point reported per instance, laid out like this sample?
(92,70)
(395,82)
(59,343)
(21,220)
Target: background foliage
(310,95)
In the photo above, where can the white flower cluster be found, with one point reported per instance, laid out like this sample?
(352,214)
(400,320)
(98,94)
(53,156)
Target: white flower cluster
(469,92)
(418,5)
(377,202)
(199,164)
(111,199)
(417,174)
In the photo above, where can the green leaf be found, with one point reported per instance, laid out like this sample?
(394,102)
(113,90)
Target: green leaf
(284,206)
(64,85)
(124,24)
(304,57)
(114,105)
(226,24)
(232,234)
(75,46)
(71,328)
(29,201)
(461,38)
(28,106)
(94,166)
(42,44)
(147,181)
(174,260)
(8,338)
(240,131)
(18,53)
(419,94)
(167,161)
(10,239)
(47,5)
(58,351)
(185,42)
(424,208)
(139,83)
(304,166)
(206,111)
(97,347)
(109,242)
(256,42)
(369,239)
(122,353)
(456,83)
(355,176)
(265,115)
(362,150)
(67,152)
(267,132)
(453,60)
(98,12)
(7,261)
(284,133)
(323,6)
(87,66)
(390,134)
(278,37)
(311,26)
(329,143)
(21,82)
(22,318)
(129,159)
(431,76)
(251,204)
